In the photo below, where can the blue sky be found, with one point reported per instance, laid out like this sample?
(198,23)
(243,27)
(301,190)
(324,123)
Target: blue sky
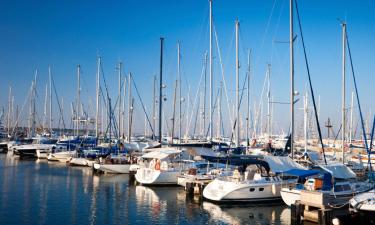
(62,34)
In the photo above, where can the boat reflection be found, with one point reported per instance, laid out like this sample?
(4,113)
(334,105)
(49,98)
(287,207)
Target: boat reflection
(251,214)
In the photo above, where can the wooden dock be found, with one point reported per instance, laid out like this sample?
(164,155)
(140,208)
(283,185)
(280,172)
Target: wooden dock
(320,208)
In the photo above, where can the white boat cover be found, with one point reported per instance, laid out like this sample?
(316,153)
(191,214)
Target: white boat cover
(161,154)
(201,151)
(279,164)
(339,171)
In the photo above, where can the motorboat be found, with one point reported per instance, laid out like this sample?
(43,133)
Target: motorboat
(163,167)
(255,180)
(364,202)
(343,186)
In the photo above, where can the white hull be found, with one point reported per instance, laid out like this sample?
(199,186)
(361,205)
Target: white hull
(150,176)
(290,196)
(112,168)
(42,153)
(81,162)
(364,201)
(249,191)
(61,156)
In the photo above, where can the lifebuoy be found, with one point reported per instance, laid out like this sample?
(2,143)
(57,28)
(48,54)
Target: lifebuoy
(157,165)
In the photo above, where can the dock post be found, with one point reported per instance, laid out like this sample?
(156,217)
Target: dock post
(295,214)
(325,216)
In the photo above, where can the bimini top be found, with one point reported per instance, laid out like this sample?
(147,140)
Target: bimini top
(280,164)
(161,154)
(302,173)
(238,160)
(339,171)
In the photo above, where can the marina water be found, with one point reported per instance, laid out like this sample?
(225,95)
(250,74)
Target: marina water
(42,192)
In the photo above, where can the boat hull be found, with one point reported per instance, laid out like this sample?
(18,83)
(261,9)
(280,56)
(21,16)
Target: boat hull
(221,190)
(148,176)
(113,168)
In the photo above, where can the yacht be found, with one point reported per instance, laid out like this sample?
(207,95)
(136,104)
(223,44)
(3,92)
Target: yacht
(364,202)
(343,186)
(259,180)
(163,167)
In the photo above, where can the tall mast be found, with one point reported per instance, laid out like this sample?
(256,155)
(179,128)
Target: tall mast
(204,94)
(130,105)
(119,95)
(237,89)
(180,87)
(269,130)
(343,90)
(351,120)
(174,110)
(45,109)
(305,118)
(211,75)
(50,99)
(219,111)
(97,98)
(78,98)
(9,110)
(161,90)
(33,122)
(291,54)
(154,109)
(248,99)
(123,122)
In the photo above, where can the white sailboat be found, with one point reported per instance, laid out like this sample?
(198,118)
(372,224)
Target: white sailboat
(163,167)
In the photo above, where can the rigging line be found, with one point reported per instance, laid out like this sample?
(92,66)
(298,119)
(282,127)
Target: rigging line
(358,102)
(195,99)
(20,112)
(372,134)
(239,106)
(265,32)
(310,83)
(222,75)
(259,109)
(216,100)
(143,106)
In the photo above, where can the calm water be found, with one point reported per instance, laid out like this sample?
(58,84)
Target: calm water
(41,192)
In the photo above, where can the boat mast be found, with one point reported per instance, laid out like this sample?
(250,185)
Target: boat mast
(97,98)
(174,110)
(9,109)
(211,75)
(119,94)
(78,98)
(180,87)
(248,99)
(204,94)
(291,55)
(343,90)
(154,109)
(130,105)
(351,119)
(45,109)
(237,89)
(50,99)
(305,117)
(269,102)
(161,90)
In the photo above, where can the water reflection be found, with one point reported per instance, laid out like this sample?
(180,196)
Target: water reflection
(42,192)
(251,214)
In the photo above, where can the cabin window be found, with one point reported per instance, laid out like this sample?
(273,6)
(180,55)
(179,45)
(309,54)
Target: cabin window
(252,189)
(261,189)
